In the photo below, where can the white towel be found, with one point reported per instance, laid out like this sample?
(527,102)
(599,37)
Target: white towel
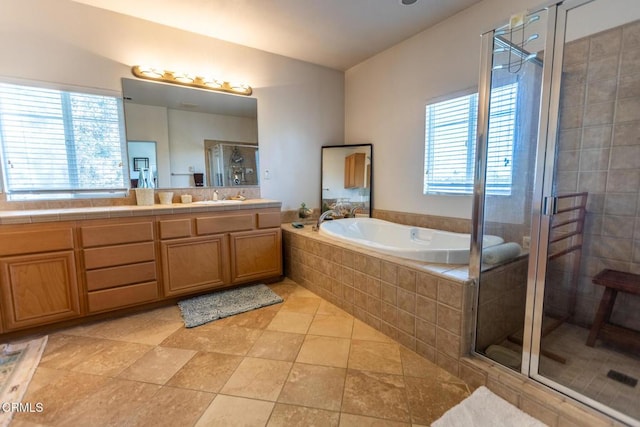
(485,409)
(500,253)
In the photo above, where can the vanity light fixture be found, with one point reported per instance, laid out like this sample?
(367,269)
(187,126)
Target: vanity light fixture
(186,79)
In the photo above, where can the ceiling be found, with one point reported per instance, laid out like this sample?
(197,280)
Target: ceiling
(334,33)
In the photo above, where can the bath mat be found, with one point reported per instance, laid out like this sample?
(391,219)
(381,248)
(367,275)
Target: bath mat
(18,363)
(206,308)
(485,409)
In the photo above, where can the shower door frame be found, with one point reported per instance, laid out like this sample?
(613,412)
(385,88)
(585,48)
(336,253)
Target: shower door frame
(544,201)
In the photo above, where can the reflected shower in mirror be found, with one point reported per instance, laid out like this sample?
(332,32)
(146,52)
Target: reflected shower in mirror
(182,121)
(347,179)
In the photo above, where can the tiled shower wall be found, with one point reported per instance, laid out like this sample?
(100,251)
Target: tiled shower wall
(599,152)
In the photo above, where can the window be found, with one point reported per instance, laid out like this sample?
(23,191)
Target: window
(59,143)
(450,136)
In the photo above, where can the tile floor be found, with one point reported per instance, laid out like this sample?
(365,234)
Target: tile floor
(300,363)
(587,367)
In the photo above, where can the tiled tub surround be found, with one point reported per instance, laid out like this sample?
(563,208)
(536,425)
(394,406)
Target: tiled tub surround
(599,152)
(427,308)
(420,305)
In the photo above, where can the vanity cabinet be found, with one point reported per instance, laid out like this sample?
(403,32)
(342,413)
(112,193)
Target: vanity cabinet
(38,276)
(257,254)
(203,252)
(119,260)
(190,262)
(354,171)
(55,271)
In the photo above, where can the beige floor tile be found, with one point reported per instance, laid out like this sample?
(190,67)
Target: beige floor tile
(377,395)
(302,292)
(138,328)
(326,307)
(288,416)
(299,304)
(350,420)
(206,372)
(215,339)
(230,411)
(172,407)
(277,346)
(362,331)
(158,365)
(429,399)
(61,396)
(256,319)
(414,365)
(284,289)
(44,376)
(258,378)
(112,404)
(115,357)
(297,323)
(67,351)
(375,356)
(331,326)
(325,351)
(314,386)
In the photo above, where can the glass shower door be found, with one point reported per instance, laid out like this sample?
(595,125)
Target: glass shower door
(585,341)
(509,99)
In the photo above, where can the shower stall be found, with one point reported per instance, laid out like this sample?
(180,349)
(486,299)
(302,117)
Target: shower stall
(563,83)
(231,164)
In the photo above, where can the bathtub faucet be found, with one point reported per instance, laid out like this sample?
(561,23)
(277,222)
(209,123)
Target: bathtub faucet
(325,214)
(355,209)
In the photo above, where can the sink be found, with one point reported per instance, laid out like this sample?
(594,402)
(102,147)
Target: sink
(217,202)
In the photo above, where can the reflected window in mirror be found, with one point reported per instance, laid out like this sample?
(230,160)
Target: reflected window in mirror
(61,144)
(142,157)
(186,123)
(347,179)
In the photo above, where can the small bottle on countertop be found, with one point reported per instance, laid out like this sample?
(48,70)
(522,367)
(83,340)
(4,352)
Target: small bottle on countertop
(215,195)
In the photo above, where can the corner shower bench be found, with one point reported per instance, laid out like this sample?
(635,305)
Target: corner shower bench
(614,281)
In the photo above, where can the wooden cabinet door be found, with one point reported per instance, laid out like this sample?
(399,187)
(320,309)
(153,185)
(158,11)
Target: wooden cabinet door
(256,255)
(194,264)
(38,289)
(354,170)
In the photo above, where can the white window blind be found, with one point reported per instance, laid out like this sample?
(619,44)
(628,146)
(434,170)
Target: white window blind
(60,142)
(450,136)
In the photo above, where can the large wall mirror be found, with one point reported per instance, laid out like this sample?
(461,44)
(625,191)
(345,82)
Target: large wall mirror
(347,178)
(193,137)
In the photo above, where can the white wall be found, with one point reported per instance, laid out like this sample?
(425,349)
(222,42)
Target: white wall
(300,105)
(385,98)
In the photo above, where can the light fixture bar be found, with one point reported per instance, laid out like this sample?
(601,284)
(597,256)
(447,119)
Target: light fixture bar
(186,79)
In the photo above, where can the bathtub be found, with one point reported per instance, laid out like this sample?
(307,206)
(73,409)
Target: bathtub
(420,244)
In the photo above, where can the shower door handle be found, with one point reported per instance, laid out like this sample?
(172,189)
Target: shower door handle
(550,205)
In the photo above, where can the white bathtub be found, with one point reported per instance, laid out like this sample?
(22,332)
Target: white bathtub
(420,244)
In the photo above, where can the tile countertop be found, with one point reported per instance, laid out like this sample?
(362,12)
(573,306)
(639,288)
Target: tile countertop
(70,214)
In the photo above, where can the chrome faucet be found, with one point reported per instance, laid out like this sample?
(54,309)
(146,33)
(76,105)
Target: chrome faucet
(325,214)
(352,213)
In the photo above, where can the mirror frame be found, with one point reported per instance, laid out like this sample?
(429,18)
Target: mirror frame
(322,178)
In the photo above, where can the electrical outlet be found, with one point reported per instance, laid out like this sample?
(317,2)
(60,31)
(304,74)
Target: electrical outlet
(191,169)
(267,174)
(526,242)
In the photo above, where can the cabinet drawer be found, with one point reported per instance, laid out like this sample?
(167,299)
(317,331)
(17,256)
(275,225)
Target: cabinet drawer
(108,299)
(114,234)
(43,240)
(118,276)
(175,228)
(118,255)
(269,219)
(224,224)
